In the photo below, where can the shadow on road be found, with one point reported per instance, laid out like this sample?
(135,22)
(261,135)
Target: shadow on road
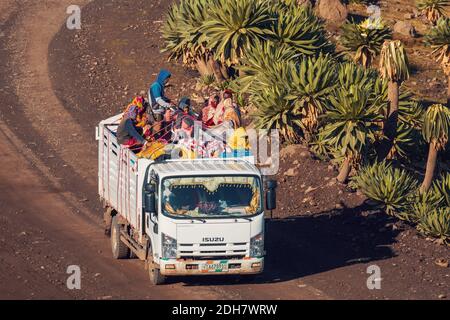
(302,246)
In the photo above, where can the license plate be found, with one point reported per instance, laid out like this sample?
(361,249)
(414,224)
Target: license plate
(213,266)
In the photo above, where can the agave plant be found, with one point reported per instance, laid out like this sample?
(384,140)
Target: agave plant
(389,187)
(365,39)
(435,130)
(439,39)
(351,74)
(277,111)
(264,64)
(311,83)
(235,26)
(394,68)
(182,36)
(297,27)
(434,222)
(351,119)
(441,191)
(432,9)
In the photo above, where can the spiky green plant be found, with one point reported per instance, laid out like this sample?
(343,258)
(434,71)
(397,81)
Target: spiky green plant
(351,119)
(389,187)
(404,141)
(206,81)
(277,111)
(298,28)
(434,222)
(235,26)
(435,130)
(263,64)
(441,187)
(182,36)
(350,74)
(439,39)
(311,82)
(365,39)
(432,9)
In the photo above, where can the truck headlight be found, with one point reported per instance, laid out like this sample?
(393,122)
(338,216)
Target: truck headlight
(257,246)
(169,247)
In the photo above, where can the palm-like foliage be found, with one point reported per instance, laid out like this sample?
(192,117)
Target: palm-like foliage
(264,64)
(436,126)
(365,39)
(351,74)
(298,28)
(389,187)
(394,65)
(433,9)
(181,31)
(439,39)
(311,83)
(434,222)
(435,130)
(441,190)
(235,26)
(276,111)
(351,118)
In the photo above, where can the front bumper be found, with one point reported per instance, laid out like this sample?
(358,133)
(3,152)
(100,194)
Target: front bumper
(182,267)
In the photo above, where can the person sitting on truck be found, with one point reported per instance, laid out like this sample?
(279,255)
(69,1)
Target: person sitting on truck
(209,110)
(127,134)
(156,97)
(159,104)
(230,115)
(184,109)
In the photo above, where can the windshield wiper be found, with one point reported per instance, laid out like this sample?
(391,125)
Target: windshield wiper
(199,219)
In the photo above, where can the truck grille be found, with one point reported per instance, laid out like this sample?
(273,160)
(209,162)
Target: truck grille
(213,250)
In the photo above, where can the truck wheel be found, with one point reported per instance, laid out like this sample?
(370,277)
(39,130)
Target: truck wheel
(155,275)
(119,249)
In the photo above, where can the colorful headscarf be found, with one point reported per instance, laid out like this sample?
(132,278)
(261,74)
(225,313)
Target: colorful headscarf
(138,102)
(131,112)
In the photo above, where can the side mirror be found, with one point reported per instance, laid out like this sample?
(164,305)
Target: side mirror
(149,198)
(150,202)
(271,195)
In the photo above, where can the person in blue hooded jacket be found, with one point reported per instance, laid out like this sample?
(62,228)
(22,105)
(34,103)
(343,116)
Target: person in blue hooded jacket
(158,101)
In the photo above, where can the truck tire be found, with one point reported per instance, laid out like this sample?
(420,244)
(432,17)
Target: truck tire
(155,275)
(156,278)
(119,249)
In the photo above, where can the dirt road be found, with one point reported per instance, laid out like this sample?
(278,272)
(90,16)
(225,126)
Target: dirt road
(50,215)
(46,228)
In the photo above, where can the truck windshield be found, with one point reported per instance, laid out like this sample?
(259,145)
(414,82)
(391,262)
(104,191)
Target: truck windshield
(212,196)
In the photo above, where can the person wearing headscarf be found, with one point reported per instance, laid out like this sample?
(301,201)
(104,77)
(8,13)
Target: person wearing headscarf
(230,115)
(156,97)
(209,110)
(159,103)
(127,134)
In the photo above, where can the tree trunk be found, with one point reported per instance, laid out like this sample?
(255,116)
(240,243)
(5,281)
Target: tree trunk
(201,67)
(215,67)
(390,125)
(345,171)
(431,167)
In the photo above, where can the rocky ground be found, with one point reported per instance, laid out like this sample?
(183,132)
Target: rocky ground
(64,82)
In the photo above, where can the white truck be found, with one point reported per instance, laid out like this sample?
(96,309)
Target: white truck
(182,217)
